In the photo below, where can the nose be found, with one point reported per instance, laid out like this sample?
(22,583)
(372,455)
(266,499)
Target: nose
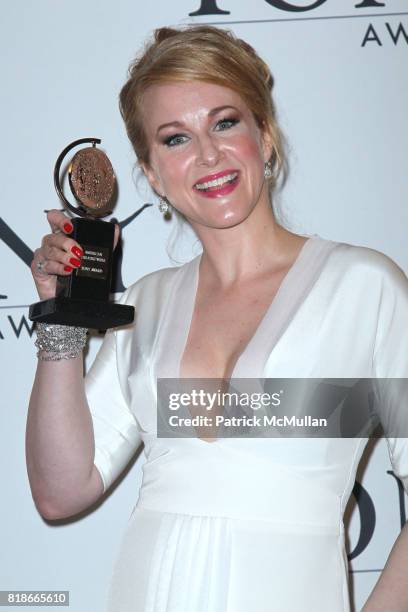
(208,153)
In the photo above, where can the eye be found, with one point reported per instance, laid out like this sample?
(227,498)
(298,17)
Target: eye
(174,140)
(226,124)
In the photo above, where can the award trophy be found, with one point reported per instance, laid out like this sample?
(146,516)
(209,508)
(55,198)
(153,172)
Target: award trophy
(82,297)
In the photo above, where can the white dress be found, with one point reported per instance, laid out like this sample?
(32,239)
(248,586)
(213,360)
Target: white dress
(251,524)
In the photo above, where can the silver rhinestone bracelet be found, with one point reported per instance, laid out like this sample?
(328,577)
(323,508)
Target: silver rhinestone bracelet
(55,342)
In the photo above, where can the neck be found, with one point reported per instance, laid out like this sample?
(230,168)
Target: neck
(252,248)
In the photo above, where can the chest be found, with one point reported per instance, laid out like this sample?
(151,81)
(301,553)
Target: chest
(222,326)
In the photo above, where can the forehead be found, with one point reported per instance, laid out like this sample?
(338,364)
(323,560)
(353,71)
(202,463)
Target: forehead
(186,101)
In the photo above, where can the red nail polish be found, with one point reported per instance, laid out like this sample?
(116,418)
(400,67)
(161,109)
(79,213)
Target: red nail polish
(75,262)
(77,251)
(68,227)
(67,268)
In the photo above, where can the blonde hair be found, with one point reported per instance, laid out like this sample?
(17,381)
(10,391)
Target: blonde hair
(201,53)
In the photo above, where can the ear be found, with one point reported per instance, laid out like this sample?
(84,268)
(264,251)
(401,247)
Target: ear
(267,141)
(152,178)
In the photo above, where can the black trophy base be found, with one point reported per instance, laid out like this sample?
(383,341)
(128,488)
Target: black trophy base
(81,313)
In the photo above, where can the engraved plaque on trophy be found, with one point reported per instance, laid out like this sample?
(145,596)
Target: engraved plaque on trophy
(82,297)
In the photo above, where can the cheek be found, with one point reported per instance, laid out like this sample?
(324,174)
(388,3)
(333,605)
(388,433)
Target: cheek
(248,150)
(174,169)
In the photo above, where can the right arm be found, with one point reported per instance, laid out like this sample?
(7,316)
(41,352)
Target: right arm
(60,441)
(59,435)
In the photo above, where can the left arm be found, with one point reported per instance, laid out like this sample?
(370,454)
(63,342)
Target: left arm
(390,362)
(390,594)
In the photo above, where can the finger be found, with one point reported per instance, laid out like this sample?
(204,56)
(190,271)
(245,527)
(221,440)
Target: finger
(59,256)
(37,265)
(49,268)
(52,243)
(59,221)
(52,251)
(62,269)
(42,267)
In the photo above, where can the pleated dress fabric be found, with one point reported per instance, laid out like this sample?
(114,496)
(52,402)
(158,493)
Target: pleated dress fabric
(245,523)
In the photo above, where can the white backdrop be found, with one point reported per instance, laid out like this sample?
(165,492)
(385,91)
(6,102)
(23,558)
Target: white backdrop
(342,94)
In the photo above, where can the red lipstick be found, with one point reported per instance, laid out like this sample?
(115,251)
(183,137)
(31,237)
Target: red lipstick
(213,177)
(211,186)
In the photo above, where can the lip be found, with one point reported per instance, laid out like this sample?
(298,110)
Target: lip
(223,190)
(214,177)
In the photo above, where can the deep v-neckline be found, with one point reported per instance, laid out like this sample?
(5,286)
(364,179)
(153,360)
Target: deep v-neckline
(261,324)
(175,323)
(259,330)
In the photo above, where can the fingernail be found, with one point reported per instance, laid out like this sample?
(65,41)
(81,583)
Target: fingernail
(67,268)
(46,211)
(77,251)
(68,227)
(75,262)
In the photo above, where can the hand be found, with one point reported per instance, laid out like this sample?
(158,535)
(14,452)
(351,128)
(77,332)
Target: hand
(58,254)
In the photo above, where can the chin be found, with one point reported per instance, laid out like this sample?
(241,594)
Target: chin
(225,221)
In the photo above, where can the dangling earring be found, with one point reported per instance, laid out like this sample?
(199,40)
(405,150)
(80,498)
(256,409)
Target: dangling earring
(268,170)
(164,205)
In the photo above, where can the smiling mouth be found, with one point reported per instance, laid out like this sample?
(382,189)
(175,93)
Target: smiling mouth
(217,183)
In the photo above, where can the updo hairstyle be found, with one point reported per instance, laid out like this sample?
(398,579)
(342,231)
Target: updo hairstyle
(201,53)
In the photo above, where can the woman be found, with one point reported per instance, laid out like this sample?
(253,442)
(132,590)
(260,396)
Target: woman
(220,524)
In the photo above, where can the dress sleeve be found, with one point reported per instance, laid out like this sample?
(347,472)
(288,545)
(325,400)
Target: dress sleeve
(390,366)
(116,433)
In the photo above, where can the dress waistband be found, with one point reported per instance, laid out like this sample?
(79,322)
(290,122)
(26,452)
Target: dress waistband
(215,479)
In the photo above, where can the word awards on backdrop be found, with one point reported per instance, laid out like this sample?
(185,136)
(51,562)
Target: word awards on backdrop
(374,34)
(210,7)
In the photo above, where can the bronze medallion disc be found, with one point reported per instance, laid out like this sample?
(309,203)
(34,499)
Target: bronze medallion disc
(92,179)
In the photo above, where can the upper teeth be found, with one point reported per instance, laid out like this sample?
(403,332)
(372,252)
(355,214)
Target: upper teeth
(217,182)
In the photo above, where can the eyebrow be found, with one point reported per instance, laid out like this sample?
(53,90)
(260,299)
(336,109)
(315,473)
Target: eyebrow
(213,111)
